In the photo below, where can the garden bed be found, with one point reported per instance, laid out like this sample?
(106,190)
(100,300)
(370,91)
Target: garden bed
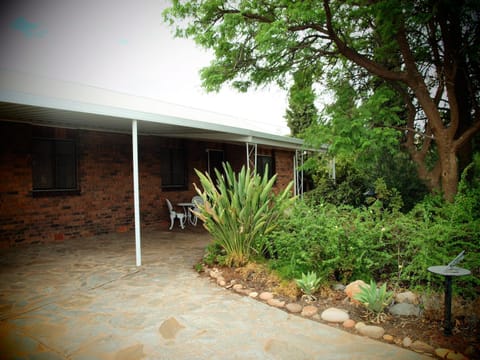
(426,328)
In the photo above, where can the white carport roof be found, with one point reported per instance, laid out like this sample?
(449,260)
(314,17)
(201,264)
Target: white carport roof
(44,101)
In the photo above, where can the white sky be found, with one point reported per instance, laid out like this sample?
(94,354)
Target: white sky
(123,45)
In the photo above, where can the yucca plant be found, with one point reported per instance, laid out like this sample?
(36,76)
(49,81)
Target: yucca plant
(308,284)
(240,208)
(375,300)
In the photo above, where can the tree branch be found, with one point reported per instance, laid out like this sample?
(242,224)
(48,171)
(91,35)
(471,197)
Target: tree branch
(359,59)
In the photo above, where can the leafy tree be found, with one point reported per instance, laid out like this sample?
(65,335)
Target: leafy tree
(424,51)
(301,112)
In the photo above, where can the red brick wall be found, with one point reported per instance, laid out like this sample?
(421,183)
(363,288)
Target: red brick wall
(105,202)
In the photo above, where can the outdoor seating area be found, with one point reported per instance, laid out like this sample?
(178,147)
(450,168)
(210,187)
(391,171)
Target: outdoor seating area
(187,215)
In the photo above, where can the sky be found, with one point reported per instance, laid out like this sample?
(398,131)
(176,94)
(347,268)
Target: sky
(124,45)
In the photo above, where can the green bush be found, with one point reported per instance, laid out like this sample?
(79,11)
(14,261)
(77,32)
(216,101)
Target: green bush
(239,210)
(378,242)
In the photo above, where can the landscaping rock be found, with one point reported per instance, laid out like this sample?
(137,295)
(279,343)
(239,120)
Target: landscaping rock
(294,308)
(215,273)
(309,311)
(237,287)
(253,294)
(354,288)
(372,331)
(407,342)
(349,324)
(221,281)
(338,287)
(334,315)
(266,295)
(449,354)
(406,297)
(420,346)
(388,338)
(405,309)
(276,303)
(359,325)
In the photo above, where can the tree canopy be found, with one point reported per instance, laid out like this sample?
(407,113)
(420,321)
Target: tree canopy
(423,52)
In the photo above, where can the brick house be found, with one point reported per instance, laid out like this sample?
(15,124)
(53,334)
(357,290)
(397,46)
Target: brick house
(70,157)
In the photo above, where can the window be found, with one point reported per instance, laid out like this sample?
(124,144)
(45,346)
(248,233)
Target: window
(174,174)
(54,165)
(214,161)
(262,162)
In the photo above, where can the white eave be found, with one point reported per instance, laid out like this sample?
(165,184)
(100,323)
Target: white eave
(37,100)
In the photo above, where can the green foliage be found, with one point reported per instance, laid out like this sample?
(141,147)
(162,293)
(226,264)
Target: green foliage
(354,178)
(239,209)
(379,242)
(374,299)
(308,283)
(301,112)
(380,59)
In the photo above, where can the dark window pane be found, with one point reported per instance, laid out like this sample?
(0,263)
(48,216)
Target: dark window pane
(65,165)
(42,164)
(173,168)
(262,162)
(53,164)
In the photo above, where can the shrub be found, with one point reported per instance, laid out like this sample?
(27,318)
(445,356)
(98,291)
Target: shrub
(240,209)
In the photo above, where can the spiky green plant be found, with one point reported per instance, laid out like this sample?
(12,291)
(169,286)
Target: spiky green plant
(239,209)
(374,299)
(309,283)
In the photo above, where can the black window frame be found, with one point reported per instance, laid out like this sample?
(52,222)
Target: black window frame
(169,158)
(55,170)
(261,163)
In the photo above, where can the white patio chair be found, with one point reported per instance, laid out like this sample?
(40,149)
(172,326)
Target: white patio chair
(196,200)
(175,215)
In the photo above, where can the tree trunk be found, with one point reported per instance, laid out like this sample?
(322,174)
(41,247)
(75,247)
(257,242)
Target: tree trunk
(449,171)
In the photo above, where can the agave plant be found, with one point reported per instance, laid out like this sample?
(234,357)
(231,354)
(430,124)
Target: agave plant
(375,300)
(240,208)
(309,283)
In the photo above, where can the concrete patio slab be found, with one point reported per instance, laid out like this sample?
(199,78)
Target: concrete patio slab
(85,299)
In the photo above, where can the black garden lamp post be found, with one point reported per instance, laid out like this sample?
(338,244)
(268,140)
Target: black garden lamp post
(449,272)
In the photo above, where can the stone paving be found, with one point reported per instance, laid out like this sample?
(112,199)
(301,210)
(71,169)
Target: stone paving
(85,299)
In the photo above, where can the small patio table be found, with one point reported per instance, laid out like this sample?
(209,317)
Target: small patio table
(186,206)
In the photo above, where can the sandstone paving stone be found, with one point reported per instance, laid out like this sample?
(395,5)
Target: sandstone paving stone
(283,350)
(134,352)
(217,324)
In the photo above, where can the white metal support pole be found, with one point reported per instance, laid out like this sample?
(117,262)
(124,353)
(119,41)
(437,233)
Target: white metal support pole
(136,194)
(251,156)
(295,184)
